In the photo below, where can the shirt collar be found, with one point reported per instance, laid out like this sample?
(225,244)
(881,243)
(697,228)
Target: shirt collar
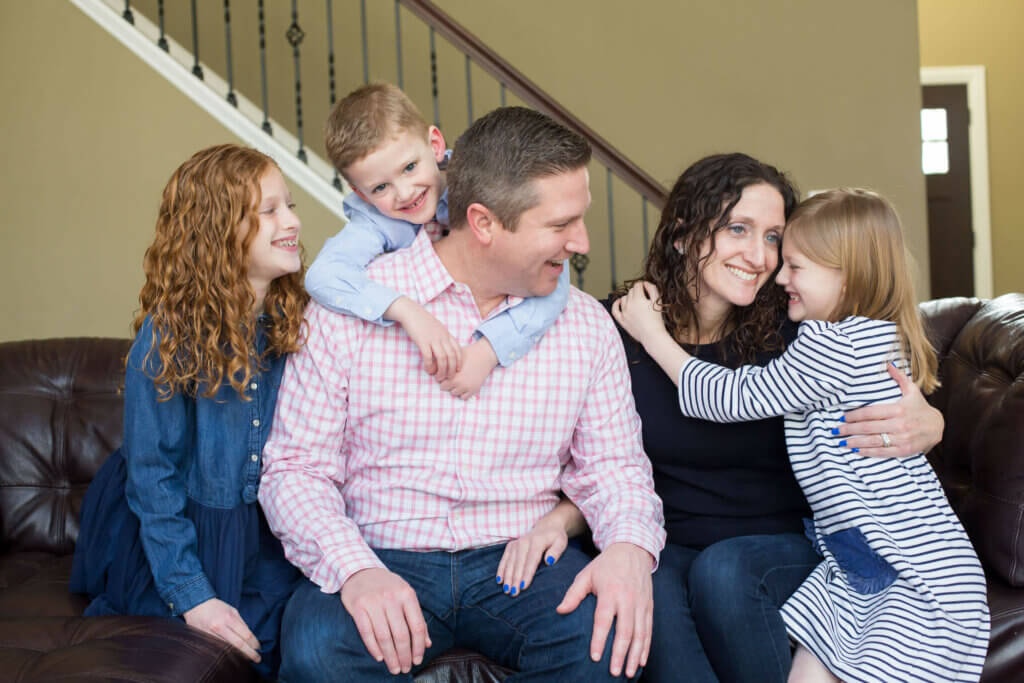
(432,278)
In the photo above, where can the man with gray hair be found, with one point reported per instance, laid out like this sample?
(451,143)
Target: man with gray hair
(400,497)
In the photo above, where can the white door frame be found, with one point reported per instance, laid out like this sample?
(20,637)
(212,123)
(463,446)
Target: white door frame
(977,134)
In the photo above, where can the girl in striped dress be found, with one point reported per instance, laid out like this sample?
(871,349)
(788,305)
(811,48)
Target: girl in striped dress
(900,594)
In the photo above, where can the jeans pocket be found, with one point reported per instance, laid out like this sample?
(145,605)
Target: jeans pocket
(866,571)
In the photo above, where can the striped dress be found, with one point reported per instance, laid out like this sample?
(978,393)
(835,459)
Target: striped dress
(900,595)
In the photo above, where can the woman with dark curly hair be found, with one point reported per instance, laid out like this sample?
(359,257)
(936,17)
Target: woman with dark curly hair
(170,524)
(733,509)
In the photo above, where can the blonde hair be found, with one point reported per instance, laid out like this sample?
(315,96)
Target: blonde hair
(197,291)
(858,232)
(365,119)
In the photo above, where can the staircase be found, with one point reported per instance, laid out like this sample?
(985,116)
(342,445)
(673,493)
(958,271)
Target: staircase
(269,71)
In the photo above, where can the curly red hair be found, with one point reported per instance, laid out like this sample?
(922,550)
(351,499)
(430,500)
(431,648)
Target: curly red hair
(197,292)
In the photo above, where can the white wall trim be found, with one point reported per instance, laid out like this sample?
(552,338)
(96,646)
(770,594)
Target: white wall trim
(977,132)
(210,94)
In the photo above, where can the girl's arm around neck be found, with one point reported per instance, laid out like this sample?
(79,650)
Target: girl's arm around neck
(639,313)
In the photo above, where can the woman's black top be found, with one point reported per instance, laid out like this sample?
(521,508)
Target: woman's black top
(717,481)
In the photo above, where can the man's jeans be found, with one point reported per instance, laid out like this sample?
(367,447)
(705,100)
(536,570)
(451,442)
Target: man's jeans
(464,606)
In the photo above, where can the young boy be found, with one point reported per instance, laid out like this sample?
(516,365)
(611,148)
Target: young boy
(394,162)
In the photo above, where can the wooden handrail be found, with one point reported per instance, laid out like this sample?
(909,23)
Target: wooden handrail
(530,93)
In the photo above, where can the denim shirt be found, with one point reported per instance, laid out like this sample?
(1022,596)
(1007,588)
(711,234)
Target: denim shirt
(207,450)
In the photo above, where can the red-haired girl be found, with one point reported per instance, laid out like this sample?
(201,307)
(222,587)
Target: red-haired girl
(171,525)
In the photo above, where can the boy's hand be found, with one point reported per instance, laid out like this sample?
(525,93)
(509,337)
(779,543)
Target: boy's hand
(477,362)
(442,355)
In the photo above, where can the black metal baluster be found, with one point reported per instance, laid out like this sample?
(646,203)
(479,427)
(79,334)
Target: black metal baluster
(366,54)
(469,93)
(127,14)
(295,35)
(398,41)
(503,94)
(647,240)
(433,79)
(330,72)
(611,225)
(162,42)
(227,40)
(196,69)
(579,263)
(263,70)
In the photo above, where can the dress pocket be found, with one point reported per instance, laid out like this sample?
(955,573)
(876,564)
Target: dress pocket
(866,571)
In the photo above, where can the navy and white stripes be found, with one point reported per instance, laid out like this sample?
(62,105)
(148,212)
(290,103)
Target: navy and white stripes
(932,622)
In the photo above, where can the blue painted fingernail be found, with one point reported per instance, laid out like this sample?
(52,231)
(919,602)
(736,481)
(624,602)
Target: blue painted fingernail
(843,442)
(514,589)
(522,585)
(507,586)
(550,560)
(842,418)
(857,450)
(497,579)
(835,430)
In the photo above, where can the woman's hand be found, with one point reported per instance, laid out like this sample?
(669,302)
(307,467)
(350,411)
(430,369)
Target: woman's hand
(639,313)
(910,425)
(545,542)
(223,621)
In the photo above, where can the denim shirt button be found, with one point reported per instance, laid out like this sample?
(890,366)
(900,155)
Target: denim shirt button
(249,494)
(255,423)
(254,386)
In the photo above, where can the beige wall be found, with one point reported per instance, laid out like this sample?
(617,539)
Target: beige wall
(956,33)
(96,133)
(786,80)
(91,135)
(828,91)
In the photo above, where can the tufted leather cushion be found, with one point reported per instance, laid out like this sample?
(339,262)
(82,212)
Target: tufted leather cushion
(61,417)
(114,649)
(981,458)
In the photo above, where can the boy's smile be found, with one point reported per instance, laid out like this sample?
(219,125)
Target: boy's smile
(401,177)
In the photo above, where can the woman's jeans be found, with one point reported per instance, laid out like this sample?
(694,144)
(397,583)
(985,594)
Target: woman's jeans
(721,606)
(463,606)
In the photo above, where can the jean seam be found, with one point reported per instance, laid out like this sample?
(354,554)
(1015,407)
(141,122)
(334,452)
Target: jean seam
(508,623)
(783,671)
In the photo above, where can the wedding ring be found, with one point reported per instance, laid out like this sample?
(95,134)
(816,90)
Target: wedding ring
(886,441)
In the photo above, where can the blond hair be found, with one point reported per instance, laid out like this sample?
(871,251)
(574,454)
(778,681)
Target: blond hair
(858,232)
(365,119)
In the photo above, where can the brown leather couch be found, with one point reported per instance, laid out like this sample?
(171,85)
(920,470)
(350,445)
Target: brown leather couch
(60,416)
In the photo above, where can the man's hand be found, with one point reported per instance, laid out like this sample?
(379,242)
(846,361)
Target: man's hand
(221,620)
(911,424)
(388,616)
(442,355)
(620,577)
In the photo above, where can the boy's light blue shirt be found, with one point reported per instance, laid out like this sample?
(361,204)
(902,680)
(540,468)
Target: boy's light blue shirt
(337,279)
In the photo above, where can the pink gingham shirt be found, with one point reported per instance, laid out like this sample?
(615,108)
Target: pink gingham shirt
(367,451)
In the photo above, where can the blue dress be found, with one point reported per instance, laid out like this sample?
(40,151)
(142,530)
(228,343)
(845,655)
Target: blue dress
(171,518)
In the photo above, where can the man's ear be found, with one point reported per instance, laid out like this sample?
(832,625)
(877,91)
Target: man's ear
(436,140)
(482,223)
